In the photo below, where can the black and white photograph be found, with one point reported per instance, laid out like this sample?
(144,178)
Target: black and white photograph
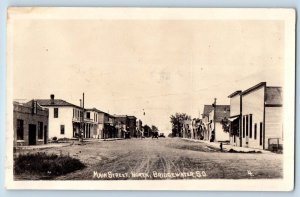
(150,98)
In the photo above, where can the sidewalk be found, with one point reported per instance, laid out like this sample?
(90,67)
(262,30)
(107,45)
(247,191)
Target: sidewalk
(227,147)
(43,146)
(110,139)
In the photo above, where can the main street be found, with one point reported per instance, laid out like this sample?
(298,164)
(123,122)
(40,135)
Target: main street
(166,158)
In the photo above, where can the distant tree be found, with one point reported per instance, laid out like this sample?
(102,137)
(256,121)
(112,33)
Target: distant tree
(177,121)
(147,131)
(226,124)
(170,135)
(154,128)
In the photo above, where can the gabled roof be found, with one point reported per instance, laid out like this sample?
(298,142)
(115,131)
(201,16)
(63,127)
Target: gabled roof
(57,102)
(120,116)
(29,104)
(235,93)
(254,88)
(273,96)
(222,111)
(132,117)
(96,110)
(207,109)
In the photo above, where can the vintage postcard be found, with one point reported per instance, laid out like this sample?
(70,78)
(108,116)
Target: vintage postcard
(150,99)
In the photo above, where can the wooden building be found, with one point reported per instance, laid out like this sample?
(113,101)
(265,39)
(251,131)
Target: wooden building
(258,112)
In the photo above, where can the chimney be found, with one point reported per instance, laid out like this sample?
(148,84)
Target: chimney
(52,98)
(215,102)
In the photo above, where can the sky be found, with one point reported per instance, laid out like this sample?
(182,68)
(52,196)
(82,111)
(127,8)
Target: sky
(159,67)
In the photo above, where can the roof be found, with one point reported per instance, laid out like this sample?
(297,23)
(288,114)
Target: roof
(254,88)
(222,111)
(273,96)
(96,110)
(235,93)
(132,117)
(120,116)
(57,102)
(207,109)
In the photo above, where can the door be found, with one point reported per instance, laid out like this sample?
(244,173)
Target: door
(247,131)
(45,134)
(32,134)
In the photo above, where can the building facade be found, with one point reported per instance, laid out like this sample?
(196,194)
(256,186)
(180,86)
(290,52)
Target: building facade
(197,129)
(64,118)
(91,123)
(30,124)
(236,118)
(139,128)
(262,125)
(215,127)
(206,122)
(132,126)
(211,125)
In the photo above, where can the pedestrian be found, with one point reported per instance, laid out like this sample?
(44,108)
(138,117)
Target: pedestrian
(221,147)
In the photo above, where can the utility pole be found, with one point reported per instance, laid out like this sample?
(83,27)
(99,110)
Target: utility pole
(82,119)
(215,105)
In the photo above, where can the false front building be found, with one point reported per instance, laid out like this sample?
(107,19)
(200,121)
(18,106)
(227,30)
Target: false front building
(30,124)
(257,117)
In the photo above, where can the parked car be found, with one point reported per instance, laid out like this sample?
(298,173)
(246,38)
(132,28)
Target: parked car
(155,135)
(161,135)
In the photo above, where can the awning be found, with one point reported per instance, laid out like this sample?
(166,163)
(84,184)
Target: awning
(233,118)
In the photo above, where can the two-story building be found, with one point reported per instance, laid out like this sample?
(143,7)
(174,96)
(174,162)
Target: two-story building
(212,117)
(206,122)
(91,123)
(236,118)
(132,126)
(262,125)
(187,129)
(30,124)
(139,128)
(64,117)
(127,124)
(104,124)
(219,113)
(197,129)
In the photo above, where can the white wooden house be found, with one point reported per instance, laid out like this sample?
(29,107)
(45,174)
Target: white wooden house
(64,117)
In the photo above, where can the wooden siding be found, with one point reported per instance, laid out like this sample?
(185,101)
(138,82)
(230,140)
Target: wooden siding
(235,105)
(253,103)
(273,124)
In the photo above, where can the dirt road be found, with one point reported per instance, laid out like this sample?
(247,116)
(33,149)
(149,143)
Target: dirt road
(166,158)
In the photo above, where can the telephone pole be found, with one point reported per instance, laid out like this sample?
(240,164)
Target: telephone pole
(215,106)
(82,119)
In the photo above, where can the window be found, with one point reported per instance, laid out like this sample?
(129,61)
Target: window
(260,133)
(255,131)
(34,107)
(62,129)
(55,112)
(247,126)
(88,115)
(250,126)
(244,127)
(46,133)
(40,130)
(20,129)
